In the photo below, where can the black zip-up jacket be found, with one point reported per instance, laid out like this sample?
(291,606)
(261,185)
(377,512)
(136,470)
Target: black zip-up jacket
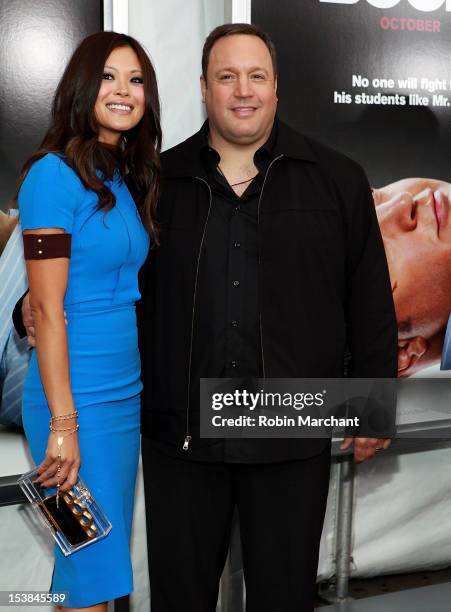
(323,279)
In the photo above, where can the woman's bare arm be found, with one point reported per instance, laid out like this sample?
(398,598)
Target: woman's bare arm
(47,280)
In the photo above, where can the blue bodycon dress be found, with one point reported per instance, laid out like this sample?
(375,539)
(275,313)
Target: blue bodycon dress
(107,251)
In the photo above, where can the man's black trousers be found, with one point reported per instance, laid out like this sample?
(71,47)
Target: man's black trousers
(190,506)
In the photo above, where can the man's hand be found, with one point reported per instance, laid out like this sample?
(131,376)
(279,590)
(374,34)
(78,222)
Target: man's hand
(28,321)
(365,448)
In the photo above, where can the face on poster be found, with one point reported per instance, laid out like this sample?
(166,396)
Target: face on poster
(377,87)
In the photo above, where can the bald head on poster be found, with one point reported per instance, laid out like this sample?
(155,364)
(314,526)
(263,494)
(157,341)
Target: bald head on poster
(414,217)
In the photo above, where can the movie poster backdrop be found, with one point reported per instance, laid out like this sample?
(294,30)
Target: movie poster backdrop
(372,78)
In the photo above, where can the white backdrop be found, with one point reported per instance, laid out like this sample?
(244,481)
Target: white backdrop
(173,31)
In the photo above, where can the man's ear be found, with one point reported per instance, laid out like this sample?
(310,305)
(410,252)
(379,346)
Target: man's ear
(410,353)
(203,87)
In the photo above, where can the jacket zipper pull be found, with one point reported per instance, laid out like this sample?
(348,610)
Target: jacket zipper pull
(186,443)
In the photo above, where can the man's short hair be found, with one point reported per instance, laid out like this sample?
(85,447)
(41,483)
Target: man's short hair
(231,29)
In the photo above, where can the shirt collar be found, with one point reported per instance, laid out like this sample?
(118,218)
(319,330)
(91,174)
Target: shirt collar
(266,150)
(262,157)
(186,159)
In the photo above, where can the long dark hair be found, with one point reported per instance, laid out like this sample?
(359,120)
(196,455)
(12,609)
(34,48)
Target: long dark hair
(74,131)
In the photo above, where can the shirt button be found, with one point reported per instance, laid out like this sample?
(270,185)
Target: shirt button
(234,323)
(236,245)
(237,208)
(234,364)
(236,283)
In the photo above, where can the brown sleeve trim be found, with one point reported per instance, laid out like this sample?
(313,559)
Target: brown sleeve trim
(46,246)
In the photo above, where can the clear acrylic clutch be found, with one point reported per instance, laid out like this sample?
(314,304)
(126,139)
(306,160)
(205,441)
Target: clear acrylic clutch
(75,521)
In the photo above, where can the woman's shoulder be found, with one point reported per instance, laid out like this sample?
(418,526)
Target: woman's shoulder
(50,194)
(55,165)
(52,170)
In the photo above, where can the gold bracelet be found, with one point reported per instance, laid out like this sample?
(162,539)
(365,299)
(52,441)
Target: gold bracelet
(63,429)
(64,417)
(71,431)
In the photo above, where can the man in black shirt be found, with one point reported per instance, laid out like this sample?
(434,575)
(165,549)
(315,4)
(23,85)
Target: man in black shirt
(271,264)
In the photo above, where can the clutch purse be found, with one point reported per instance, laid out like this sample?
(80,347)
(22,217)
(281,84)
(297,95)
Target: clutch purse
(75,521)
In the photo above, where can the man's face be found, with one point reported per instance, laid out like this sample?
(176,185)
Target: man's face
(240,89)
(415,220)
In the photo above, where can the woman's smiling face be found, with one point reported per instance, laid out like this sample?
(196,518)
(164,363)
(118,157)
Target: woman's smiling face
(120,102)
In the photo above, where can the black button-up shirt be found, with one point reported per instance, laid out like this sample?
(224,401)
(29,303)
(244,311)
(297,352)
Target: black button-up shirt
(227,334)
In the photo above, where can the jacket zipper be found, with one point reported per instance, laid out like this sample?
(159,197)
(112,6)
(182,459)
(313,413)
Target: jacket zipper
(188,436)
(260,262)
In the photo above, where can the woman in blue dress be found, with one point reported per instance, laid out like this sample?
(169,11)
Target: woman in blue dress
(85,239)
